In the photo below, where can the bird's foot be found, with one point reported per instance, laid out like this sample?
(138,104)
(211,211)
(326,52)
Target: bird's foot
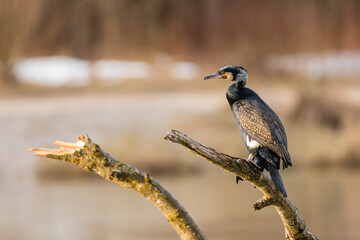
(250,159)
(258,167)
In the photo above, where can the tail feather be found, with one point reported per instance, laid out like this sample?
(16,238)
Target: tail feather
(275,176)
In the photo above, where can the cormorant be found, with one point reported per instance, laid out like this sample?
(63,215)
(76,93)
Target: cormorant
(260,128)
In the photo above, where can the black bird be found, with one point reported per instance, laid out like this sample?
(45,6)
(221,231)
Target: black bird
(260,128)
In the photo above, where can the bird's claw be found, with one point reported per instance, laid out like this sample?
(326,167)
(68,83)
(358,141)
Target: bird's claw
(251,161)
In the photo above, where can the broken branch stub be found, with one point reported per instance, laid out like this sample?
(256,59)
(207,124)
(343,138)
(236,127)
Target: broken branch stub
(90,157)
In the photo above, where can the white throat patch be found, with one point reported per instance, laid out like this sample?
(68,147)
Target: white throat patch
(230,76)
(251,143)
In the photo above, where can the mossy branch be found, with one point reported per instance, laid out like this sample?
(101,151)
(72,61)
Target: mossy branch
(90,157)
(295,227)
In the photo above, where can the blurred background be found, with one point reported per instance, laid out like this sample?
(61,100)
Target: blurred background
(126,72)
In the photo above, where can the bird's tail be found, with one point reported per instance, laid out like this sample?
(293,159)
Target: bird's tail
(275,176)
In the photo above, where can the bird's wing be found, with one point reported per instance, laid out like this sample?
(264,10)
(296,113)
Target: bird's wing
(263,125)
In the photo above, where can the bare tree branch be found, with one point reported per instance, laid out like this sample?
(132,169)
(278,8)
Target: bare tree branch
(90,157)
(295,227)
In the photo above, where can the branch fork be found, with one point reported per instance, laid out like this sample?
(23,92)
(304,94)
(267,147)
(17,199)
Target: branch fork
(294,224)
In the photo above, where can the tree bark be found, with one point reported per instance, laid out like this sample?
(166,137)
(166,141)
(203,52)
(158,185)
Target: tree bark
(294,224)
(90,157)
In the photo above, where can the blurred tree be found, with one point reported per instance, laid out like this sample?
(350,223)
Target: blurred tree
(194,29)
(16,19)
(205,31)
(68,27)
(10,39)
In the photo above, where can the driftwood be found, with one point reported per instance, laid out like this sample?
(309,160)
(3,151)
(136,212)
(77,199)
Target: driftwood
(90,157)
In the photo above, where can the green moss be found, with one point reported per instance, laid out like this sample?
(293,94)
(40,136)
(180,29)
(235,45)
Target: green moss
(147,178)
(105,163)
(76,161)
(90,168)
(174,216)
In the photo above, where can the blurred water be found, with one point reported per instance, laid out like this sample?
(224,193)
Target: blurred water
(35,122)
(98,209)
(36,208)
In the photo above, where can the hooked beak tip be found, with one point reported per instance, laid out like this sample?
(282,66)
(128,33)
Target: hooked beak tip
(210,76)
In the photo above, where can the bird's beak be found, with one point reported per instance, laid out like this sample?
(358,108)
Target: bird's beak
(215,76)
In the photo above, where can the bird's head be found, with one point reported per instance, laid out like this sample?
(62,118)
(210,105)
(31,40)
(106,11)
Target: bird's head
(232,73)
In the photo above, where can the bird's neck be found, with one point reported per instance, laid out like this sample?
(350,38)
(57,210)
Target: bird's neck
(237,92)
(241,80)
(234,92)
(239,84)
